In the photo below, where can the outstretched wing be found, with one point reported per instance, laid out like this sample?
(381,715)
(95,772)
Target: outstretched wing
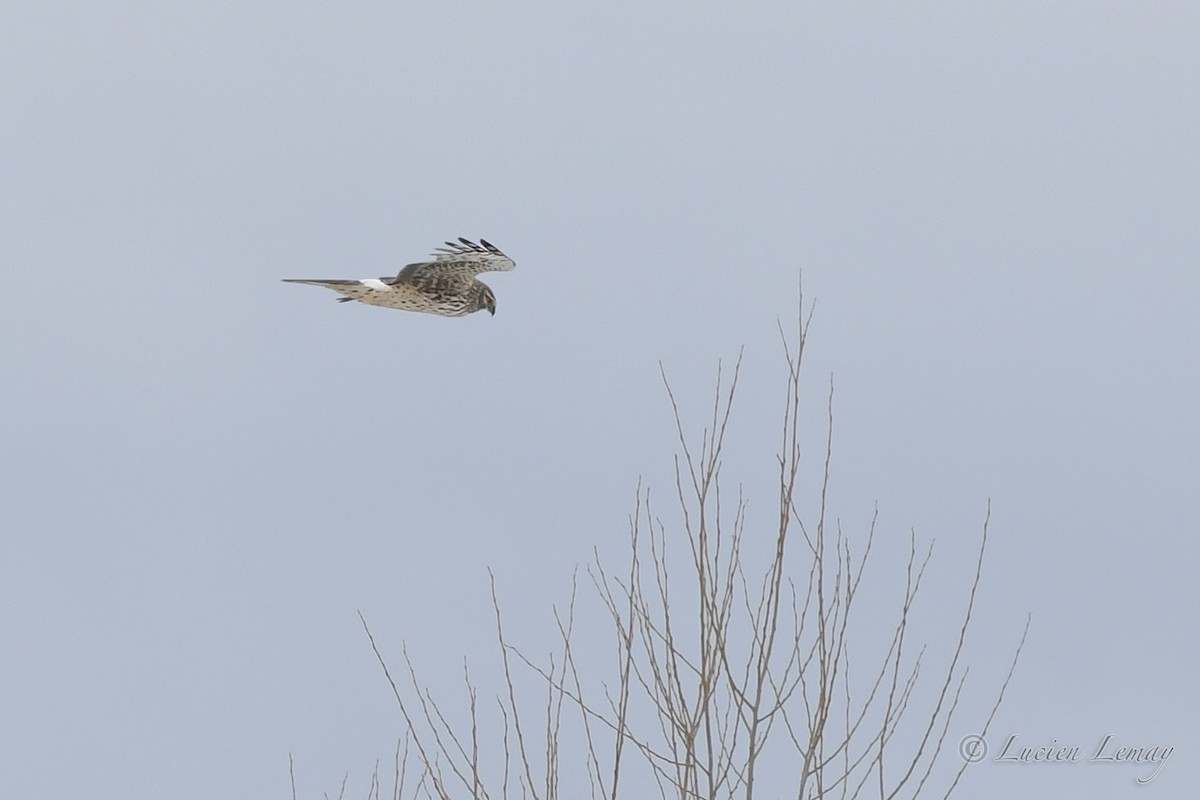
(464,258)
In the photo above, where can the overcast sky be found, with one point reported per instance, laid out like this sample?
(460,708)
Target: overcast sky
(206,472)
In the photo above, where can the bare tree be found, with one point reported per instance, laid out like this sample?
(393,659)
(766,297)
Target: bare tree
(730,681)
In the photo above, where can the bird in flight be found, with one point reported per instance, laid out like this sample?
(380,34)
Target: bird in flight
(447,285)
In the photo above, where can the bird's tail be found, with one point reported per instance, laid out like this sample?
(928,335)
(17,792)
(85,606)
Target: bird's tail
(329,283)
(335,284)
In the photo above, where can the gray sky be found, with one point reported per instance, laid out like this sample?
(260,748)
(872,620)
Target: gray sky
(206,472)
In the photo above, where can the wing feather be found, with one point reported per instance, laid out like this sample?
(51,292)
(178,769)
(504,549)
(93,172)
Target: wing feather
(460,258)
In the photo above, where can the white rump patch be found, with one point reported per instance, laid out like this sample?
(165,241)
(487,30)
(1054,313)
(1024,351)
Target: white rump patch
(375,283)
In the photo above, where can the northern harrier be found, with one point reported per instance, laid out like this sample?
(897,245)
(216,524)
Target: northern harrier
(446,285)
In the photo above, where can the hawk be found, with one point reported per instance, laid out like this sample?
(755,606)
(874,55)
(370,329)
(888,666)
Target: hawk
(447,285)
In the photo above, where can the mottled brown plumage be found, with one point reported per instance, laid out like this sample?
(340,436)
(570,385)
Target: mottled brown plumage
(447,285)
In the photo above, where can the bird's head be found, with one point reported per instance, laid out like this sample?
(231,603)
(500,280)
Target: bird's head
(488,300)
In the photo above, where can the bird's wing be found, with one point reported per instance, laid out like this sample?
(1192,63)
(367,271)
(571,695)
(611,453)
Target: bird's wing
(464,258)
